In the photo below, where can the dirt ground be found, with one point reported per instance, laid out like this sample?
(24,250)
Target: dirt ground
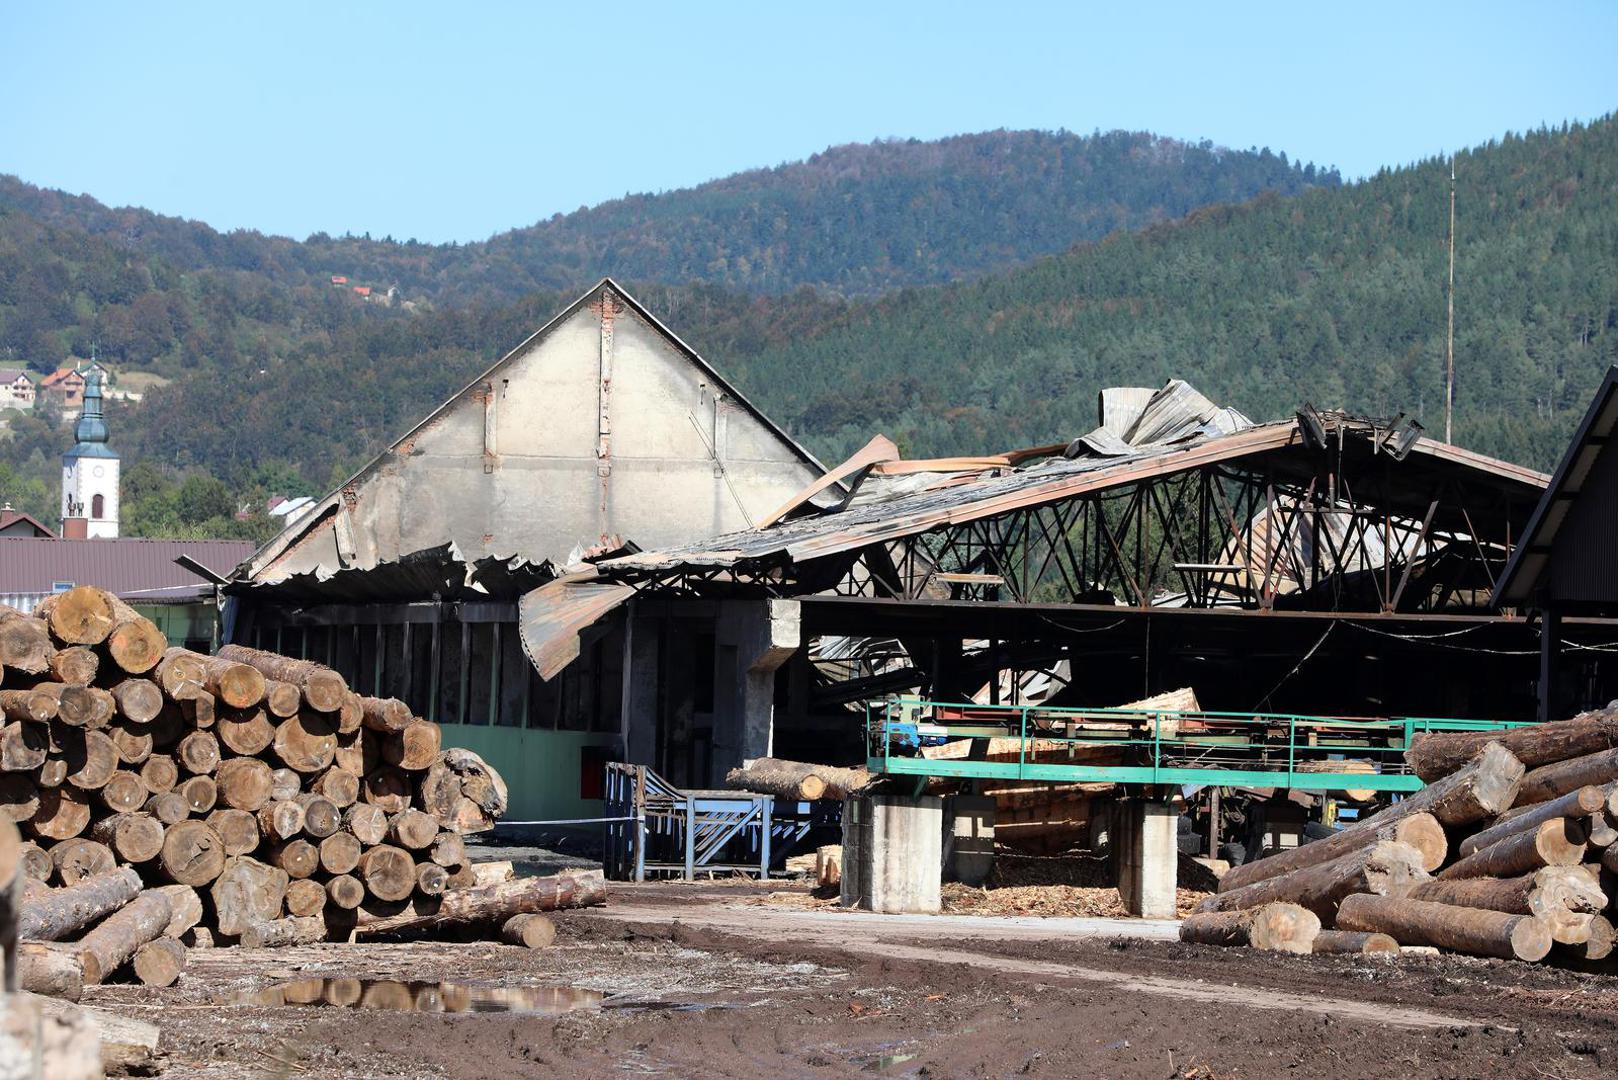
(694,980)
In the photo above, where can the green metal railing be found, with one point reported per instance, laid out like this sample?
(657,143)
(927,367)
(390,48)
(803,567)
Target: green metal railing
(1150,746)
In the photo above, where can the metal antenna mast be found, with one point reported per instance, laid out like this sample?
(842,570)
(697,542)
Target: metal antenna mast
(1449,352)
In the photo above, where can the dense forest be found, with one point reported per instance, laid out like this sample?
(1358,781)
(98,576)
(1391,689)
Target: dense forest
(857,219)
(1327,293)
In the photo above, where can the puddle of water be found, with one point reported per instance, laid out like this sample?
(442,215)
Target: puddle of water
(425,997)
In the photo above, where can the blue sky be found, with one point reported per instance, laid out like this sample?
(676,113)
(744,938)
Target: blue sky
(454,121)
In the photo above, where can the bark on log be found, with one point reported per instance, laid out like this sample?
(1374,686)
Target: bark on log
(783,779)
(345,891)
(368,823)
(340,786)
(63,812)
(198,753)
(1435,755)
(35,705)
(386,715)
(116,938)
(24,745)
(305,897)
(170,808)
(247,892)
(1419,830)
(159,962)
(49,968)
(1387,868)
(415,748)
(124,793)
(1353,942)
(239,686)
(1466,930)
(200,794)
(340,852)
(321,818)
(72,861)
(244,783)
(531,931)
(1560,777)
(245,731)
(1274,927)
(281,932)
(1536,893)
(389,873)
(489,903)
(322,687)
(1577,803)
(63,911)
(135,838)
(1557,842)
(237,829)
(159,773)
(139,700)
(75,665)
(193,854)
(185,907)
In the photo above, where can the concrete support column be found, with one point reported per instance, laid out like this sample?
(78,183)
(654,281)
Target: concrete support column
(1147,857)
(638,715)
(752,638)
(893,853)
(971,850)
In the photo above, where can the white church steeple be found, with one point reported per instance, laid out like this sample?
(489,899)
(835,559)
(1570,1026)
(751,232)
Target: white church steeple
(90,474)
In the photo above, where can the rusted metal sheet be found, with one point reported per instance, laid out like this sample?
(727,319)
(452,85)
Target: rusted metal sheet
(551,618)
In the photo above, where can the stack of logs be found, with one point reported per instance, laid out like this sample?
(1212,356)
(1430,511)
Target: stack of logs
(169,799)
(1511,850)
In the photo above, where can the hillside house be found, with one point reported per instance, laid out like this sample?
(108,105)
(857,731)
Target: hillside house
(16,389)
(64,388)
(15,523)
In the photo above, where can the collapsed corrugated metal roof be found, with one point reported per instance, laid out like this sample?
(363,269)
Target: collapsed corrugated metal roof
(435,573)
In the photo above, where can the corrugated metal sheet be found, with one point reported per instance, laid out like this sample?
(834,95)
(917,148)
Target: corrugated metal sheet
(551,618)
(439,572)
(130,567)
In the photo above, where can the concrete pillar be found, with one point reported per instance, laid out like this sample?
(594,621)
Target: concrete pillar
(638,723)
(1148,857)
(752,638)
(893,853)
(971,850)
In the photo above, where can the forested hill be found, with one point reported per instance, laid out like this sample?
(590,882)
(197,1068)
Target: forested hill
(856,219)
(1334,297)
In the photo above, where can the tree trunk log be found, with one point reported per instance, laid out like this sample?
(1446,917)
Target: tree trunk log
(321,687)
(305,898)
(200,794)
(784,779)
(412,829)
(448,851)
(1273,927)
(431,879)
(389,872)
(345,891)
(281,699)
(75,665)
(1577,803)
(73,861)
(62,911)
(76,706)
(1354,942)
(1557,842)
(25,643)
(1420,831)
(139,700)
(110,945)
(62,813)
(179,666)
(1435,755)
(135,838)
(29,706)
(237,829)
(531,931)
(1466,930)
(24,745)
(1560,777)
(245,731)
(1536,893)
(340,786)
(193,854)
(247,892)
(1387,868)
(339,853)
(159,962)
(321,818)
(80,616)
(124,793)
(91,758)
(289,931)
(134,746)
(170,808)
(159,773)
(368,823)
(136,645)
(244,783)
(480,799)
(415,748)
(389,789)
(185,906)
(299,858)
(49,968)
(493,902)
(198,753)
(385,715)
(280,820)
(36,861)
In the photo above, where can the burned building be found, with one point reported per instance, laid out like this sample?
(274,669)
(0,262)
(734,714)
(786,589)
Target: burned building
(603,432)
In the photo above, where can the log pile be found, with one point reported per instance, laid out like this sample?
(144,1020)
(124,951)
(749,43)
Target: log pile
(1510,851)
(167,799)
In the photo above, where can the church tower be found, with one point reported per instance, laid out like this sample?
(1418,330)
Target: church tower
(90,474)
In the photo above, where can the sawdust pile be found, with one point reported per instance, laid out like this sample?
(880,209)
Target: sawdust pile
(1051,901)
